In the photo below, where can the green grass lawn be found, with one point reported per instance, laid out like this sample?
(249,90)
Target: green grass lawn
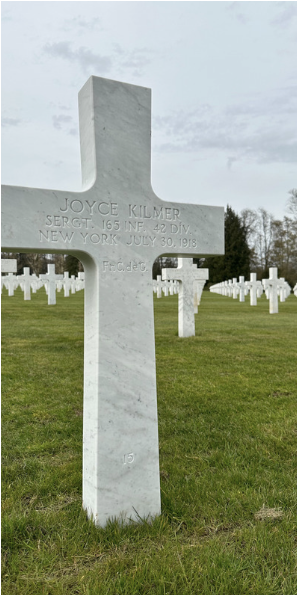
(227,404)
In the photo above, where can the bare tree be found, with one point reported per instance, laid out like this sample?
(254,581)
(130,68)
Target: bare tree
(292,202)
(259,228)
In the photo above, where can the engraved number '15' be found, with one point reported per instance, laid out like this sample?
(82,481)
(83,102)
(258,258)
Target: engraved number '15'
(128,458)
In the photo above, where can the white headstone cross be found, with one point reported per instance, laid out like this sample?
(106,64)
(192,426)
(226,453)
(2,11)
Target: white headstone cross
(186,273)
(9,265)
(116,226)
(10,282)
(159,286)
(253,285)
(67,281)
(198,288)
(25,278)
(272,284)
(50,278)
(241,286)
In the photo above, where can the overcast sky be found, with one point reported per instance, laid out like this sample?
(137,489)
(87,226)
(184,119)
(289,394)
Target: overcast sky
(224,86)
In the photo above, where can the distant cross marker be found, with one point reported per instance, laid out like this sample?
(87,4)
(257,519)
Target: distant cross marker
(159,286)
(253,285)
(198,288)
(66,283)
(11,283)
(117,227)
(241,286)
(50,278)
(272,285)
(186,273)
(25,281)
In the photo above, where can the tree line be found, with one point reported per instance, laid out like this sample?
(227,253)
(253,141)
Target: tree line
(254,241)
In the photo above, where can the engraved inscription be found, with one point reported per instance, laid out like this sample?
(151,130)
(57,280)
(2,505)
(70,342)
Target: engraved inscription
(141,240)
(102,239)
(129,458)
(121,267)
(87,222)
(78,206)
(60,221)
(144,212)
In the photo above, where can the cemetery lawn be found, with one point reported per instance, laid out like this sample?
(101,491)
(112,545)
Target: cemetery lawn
(227,405)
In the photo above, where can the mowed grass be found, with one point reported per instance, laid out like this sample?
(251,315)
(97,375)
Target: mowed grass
(227,404)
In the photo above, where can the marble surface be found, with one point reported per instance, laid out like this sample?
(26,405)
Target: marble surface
(50,279)
(117,227)
(25,282)
(8,265)
(272,284)
(186,273)
(254,287)
(10,282)
(241,286)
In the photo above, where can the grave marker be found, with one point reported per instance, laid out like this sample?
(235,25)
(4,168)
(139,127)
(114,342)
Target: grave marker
(198,289)
(159,286)
(186,273)
(25,280)
(117,227)
(10,282)
(253,285)
(241,286)
(234,288)
(271,285)
(66,283)
(50,279)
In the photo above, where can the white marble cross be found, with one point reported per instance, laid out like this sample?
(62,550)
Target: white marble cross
(80,282)
(11,283)
(186,273)
(253,285)
(66,284)
(159,286)
(9,265)
(234,288)
(36,283)
(272,285)
(50,279)
(116,226)
(73,284)
(283,289)
(171,288)
(198,288)
(25,282)
(241,287)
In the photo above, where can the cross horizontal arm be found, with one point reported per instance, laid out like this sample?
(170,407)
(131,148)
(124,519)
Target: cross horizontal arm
(117,207)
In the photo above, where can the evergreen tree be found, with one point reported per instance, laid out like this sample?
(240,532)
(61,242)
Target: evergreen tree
(236,260)
(71,265)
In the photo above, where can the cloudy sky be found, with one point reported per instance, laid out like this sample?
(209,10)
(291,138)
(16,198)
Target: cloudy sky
(224,86)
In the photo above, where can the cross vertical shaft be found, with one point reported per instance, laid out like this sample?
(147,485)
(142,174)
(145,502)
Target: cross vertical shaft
(117,227)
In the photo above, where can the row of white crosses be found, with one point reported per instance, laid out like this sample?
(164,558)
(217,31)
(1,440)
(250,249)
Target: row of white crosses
(164,287)
(273,288)
(50,281)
